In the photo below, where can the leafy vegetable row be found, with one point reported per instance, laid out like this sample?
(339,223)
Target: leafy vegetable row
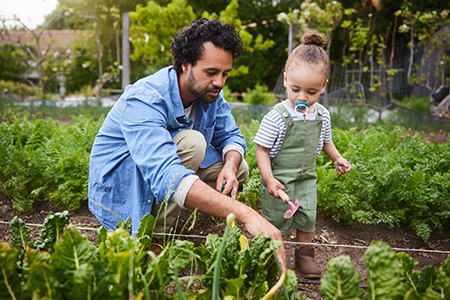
(397,178)
(64,264)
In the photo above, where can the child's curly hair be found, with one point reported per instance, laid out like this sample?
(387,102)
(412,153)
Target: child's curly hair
(310,52)
(187,44)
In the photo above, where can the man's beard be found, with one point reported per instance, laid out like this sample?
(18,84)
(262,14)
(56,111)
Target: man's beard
(203,95)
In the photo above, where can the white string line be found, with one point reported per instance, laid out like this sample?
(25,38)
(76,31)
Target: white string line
(285,242)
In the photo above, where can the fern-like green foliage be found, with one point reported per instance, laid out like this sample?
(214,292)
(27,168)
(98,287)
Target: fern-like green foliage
(43,159)
(397,178)
(251,194)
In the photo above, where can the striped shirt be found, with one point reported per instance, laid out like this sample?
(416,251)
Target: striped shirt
(272,130)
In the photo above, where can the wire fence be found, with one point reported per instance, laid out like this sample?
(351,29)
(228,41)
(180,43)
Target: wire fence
(196,236)
(356,106)
(351,106)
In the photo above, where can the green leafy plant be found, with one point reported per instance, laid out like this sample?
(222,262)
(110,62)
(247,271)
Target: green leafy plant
(250,194)
(391,276)
(65,264)
(260,95)
(43,159)
(396,178)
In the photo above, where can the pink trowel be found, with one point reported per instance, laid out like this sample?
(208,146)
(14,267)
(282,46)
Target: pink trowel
(293,207)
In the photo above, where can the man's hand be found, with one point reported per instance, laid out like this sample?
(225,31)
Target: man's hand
(256,224)
(209,201)
(227,176)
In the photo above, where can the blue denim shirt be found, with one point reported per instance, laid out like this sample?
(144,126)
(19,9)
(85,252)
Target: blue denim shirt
(134,160)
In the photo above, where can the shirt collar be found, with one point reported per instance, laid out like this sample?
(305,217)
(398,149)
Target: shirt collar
(178,109)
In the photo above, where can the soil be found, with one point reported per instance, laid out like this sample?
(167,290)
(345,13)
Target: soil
(331,239)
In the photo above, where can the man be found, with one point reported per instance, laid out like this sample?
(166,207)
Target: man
(172,136)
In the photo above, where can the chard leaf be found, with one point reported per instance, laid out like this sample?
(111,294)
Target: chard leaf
(408,267)
(385,272)
(208,254)
(10,287)
(431,294)
(427,278)
(181,255)
(73,249)
(120,274)
(261,291)
(205,257)
(234,287)
(291,281)
(125,225)
(89,282)
(442,282)
(120,240)
(146,227)
(33,256)
(341,280)
(102,235)
(20,236)
(259,244)
(53,227)
(43,282)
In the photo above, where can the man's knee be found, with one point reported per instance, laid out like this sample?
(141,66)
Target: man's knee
(191,148)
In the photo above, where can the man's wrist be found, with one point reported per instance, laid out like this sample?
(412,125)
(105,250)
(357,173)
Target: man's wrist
(232,147)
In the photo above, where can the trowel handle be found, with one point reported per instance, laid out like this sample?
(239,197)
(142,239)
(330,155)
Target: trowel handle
(283,195)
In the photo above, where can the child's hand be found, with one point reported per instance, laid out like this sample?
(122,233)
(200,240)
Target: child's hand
(342,166)
(273,186)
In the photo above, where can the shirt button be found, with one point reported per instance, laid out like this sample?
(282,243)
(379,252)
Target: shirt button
(291,124)
(285,114)
(149,201)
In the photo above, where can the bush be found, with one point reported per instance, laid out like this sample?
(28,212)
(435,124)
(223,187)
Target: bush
(420,104)
(260,95)
(17,88)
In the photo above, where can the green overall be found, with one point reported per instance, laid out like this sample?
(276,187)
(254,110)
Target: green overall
(294,167)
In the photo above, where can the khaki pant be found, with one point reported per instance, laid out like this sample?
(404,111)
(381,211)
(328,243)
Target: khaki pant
(191,150)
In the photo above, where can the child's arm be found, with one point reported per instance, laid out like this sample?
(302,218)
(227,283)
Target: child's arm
(263,160)
(340,163)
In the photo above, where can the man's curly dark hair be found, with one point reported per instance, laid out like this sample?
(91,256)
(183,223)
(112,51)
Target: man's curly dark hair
(187,44)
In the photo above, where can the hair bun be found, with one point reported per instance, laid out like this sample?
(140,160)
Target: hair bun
(313,37)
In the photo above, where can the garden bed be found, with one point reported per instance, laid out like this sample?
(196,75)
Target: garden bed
(332,238)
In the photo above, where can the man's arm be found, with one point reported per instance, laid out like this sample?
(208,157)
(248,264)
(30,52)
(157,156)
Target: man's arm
(208,201)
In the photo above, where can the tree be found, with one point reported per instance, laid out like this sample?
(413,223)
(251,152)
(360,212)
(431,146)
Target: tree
(151,41)
(10,63)
(103,18)
(429,30)
(311,15)
(36,50)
